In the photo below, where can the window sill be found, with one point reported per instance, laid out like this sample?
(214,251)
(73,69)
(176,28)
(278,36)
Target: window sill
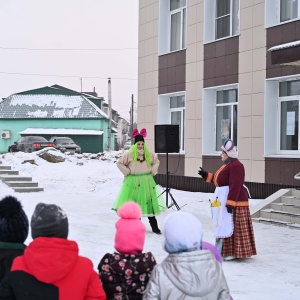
(170,52)
(281,23)
(282,156)
(221,39)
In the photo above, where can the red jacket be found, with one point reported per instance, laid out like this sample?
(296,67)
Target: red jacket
(231,174)
(55,261)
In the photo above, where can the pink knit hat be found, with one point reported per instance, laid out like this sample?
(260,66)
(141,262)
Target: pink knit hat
(130,235)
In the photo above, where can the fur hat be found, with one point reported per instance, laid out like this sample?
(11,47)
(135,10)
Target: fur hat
(13,221)
(139,136)
(130,234)
(49,220)
(230,149)
(182,232)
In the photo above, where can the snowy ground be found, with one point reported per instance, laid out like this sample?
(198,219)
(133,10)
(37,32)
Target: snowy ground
(85,186)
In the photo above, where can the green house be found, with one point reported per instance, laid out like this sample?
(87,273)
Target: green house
(54,111)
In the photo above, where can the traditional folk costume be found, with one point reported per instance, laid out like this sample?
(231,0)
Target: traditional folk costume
(234,228)
(139,186)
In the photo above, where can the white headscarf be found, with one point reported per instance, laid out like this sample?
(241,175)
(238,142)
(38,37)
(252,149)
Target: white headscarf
(229,148)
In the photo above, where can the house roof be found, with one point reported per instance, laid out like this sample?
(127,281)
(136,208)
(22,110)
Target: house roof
(60,131)
(46,103)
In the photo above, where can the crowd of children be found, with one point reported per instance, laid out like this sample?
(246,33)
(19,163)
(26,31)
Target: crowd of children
(50,267)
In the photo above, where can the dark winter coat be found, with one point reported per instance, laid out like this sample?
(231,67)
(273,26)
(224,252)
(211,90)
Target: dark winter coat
(8,252)
(51,269)
(125,276)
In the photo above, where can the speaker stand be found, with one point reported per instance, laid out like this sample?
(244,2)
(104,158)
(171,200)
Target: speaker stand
(167,190)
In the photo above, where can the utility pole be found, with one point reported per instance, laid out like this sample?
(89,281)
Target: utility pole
(81,85)
(131,118)
(109,114)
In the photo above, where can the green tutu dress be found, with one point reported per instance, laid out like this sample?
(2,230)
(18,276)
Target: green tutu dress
(142,189)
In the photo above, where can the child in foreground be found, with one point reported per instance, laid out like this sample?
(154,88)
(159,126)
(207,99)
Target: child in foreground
(125,273)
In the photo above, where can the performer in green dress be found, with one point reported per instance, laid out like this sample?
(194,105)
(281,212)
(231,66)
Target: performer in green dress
(139,165)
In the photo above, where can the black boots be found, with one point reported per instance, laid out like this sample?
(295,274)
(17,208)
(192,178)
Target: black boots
(153,224)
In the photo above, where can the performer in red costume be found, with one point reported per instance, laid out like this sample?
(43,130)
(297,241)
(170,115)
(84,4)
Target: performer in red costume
(235,225)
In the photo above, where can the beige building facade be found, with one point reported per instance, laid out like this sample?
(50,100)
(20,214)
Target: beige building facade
(223,69)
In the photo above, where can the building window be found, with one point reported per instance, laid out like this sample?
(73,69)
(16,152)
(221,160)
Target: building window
(288,10)
(222,103)
(221,19)
(226,117)
(282,116)
(289,96)
(178,24)
(177,111)
(281,11)
(171,110)
(172,26)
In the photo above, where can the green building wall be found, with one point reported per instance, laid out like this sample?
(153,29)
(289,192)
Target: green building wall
(88,143)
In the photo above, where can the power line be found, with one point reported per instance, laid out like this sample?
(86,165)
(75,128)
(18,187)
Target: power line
(70,76)
(66,49)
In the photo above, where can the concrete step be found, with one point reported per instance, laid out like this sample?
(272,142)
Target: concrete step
(276,223)
(19,184)
(9,172)
(294,192)
(280,216)
(6,178)
(289,208)
(5,168)
(295,200)
(28,189)
(22,184)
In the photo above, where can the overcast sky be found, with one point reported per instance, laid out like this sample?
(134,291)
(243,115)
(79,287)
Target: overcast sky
(70,24)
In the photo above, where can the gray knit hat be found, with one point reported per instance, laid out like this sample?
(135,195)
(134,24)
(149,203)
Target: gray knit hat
(13,221)
(49,220)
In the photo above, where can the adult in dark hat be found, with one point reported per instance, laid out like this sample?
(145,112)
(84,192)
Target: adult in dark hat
(51,267)
(138,166)
(233,224)
(14,228)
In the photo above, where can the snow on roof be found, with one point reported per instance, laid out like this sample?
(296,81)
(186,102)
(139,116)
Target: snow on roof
(284,46)
(60,131)
(49,106)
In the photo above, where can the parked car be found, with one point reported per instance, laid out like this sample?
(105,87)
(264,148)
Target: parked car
(30,144)
(65,144)
(127,145)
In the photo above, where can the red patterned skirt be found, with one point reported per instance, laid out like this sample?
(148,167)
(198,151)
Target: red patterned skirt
(241,244)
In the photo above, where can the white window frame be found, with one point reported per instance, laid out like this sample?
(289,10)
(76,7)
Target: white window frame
(209,117)
(182,12)
(164,115)
(285,99)
(210,8)
(272,125)
(272,13)
(164,36)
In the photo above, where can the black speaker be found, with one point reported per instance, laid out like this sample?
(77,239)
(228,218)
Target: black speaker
(166,138)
